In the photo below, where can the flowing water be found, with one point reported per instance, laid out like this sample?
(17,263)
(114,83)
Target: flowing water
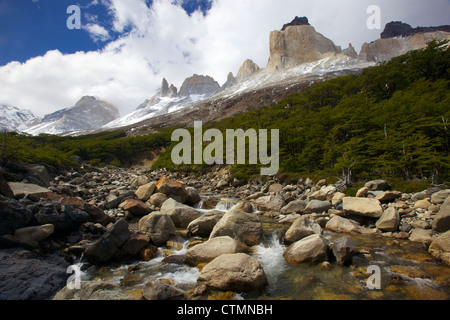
(407,271)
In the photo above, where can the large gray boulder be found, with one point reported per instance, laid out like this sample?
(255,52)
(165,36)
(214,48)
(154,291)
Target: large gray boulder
(181,214)
(389,220)
(173,189)
(318,206)
(302,228)
(237,272)
(158,227)
(310,249)
(343,250)
(13,215)
(213,248)
(440,248)
(272,203)
(93,290)
(362,207)
(204,225)
(159,290)
(342,225)
(296,206)
(104,249)
(241,226)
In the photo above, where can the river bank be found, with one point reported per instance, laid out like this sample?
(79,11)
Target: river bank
(161,235)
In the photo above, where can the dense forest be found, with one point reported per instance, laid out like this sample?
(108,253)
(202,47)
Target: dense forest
(386,121)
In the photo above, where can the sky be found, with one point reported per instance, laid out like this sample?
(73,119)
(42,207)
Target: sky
(125,48)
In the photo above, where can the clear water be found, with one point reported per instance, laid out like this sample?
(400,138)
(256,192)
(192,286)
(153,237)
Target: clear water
(408,272)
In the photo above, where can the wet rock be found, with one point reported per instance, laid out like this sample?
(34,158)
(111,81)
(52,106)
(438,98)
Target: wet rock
(241,226)
(302,228)
(93,290)
(63,217)
(213,248)
(181,214)
(133,247)
(204,225)
(158,227)
(362,207)
(245,206)
(343,249)
(310,249)
(109,244)
(36,234)
(28,276)
(234,272)
(440,248)
(389,220)
(159,290)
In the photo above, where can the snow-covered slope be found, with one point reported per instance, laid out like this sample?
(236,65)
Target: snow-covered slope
(15,119)
(89,113)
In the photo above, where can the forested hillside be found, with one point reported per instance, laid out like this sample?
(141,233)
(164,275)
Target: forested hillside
(389,120)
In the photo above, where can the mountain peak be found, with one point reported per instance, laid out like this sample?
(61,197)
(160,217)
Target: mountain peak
(400,29)
(303,21)
(199,84)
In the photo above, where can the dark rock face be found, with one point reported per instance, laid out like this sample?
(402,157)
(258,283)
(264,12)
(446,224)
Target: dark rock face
(13,215)
(27,276)
(399,29)
(303,21)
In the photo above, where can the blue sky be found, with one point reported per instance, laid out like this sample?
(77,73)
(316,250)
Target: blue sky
(31,28)
(126,47)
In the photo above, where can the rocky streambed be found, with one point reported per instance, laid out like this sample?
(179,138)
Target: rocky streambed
(131,234)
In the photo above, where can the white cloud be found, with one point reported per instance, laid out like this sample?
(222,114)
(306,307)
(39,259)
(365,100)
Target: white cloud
(165,42)
(97,32)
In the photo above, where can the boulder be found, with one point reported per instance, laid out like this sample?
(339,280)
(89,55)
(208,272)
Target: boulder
(93,290)
(21,189)
(158,199)
(241,226)
(5,189)
(275,188)
(318,206)
(237,272)
(133,247)
(139,181)
(389,220)
(145,192)
(302,228)
(63,217)
(440,248)
(310,249)
(421,235)
(136,207)
(296,206)
(342,225)
(114,202)
(172,189)
(158,227)
(104,249)
(337,197)
(204,225)
(13,215)
(25,275)
(440,196)
(213,248)
(272,203)
(245,206)
(362,192)
(388,196)
(422,204)
(159,290)
(362,207)
(378,185)
(441,222)
(193,196)
(181,214)
(37,234)
(343,250)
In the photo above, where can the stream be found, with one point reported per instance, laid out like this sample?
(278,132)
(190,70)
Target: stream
(407,270)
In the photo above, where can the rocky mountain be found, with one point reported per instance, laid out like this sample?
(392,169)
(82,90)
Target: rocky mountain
(399,38)
(89,113)
(248,69)
(15,119)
